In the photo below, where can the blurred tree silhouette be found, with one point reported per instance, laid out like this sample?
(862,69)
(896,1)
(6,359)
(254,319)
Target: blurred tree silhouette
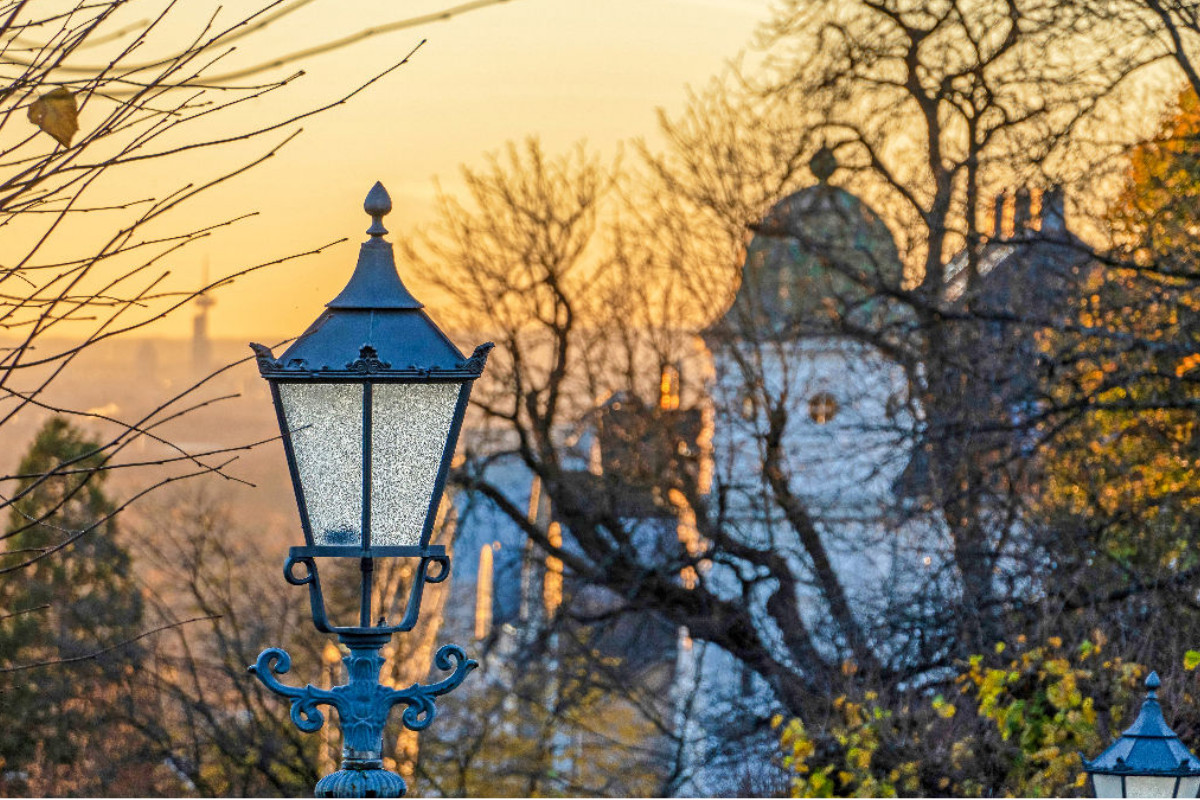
(85,116)
(555,719)
(1121,491)
(98,101)
(221,734)
(930,109)
(83,605)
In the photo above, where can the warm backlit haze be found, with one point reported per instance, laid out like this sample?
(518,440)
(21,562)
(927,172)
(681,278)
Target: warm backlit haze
(563,70)
(856,384)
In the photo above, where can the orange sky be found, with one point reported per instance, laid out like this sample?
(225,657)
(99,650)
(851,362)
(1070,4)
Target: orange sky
(564,70)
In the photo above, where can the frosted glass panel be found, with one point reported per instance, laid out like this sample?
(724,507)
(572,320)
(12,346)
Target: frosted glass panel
(1189,787)
(410,423)
(1107,785)
(1141,786)
(326,424)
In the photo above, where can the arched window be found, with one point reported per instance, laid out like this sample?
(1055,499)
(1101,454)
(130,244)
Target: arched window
(822,407)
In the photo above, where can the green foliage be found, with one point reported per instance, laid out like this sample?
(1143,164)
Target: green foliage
(1128,464)
(857,732)
(73,597)
(1010,723)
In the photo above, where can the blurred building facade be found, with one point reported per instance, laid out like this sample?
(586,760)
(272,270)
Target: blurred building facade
(809,338)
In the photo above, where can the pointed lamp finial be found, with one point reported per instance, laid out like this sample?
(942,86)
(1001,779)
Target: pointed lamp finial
(1152,682)
(824,164)
(377,204)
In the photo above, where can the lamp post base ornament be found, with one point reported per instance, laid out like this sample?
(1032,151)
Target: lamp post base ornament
(363,706)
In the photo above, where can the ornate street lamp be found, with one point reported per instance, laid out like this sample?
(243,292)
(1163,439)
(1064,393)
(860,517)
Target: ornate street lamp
(1149,760)
(370,401)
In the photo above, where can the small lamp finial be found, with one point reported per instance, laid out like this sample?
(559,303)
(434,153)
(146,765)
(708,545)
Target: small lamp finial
(823,164)
(377,204)
(1152,681)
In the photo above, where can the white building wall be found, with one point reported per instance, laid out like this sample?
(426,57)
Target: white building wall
(844,470)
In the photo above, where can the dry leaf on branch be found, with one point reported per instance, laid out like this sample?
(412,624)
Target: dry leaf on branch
(56,113)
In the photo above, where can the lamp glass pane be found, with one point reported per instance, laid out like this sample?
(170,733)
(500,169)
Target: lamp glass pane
(1189,787)
(410,423)
(325,420)
(1107,785)
(1147,786)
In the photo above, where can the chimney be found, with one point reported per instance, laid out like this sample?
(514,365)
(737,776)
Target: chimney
(998,232)
(1054,215)
(1021,215)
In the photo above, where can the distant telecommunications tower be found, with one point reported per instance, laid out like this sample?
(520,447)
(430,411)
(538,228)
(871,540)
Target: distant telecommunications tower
(201,345)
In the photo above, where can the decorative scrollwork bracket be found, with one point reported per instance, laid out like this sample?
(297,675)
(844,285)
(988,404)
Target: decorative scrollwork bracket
(363,705)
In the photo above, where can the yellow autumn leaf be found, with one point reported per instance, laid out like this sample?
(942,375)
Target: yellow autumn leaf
(1187,364)
(944,710)
(57,114)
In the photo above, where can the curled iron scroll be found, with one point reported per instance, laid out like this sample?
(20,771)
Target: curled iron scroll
(419,699)
(316,599)
(305,714)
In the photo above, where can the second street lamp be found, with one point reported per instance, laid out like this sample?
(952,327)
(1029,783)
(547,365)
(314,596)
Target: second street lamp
(370,401)
(1148,760)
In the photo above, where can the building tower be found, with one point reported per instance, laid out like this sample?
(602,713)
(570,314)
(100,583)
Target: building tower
(814,297)
(798,345)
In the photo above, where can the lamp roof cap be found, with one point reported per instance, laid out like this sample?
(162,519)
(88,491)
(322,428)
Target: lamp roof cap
(374,329)
(375,283)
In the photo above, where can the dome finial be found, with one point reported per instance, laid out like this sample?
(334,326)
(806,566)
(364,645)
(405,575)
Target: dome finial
(1152,682)
(377,204)
(823,163)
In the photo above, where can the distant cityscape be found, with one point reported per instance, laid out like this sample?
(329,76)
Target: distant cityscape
(213,387)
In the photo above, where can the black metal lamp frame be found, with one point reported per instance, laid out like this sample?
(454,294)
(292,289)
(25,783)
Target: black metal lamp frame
(372,324)
(367,371)
(1178,774)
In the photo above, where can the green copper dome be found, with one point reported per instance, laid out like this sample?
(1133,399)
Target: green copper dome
(820,257)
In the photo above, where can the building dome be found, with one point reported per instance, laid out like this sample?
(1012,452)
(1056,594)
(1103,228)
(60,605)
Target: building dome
(819,256)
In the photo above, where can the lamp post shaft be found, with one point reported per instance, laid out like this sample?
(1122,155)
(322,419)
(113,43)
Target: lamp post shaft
(367,567)
(362,727)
